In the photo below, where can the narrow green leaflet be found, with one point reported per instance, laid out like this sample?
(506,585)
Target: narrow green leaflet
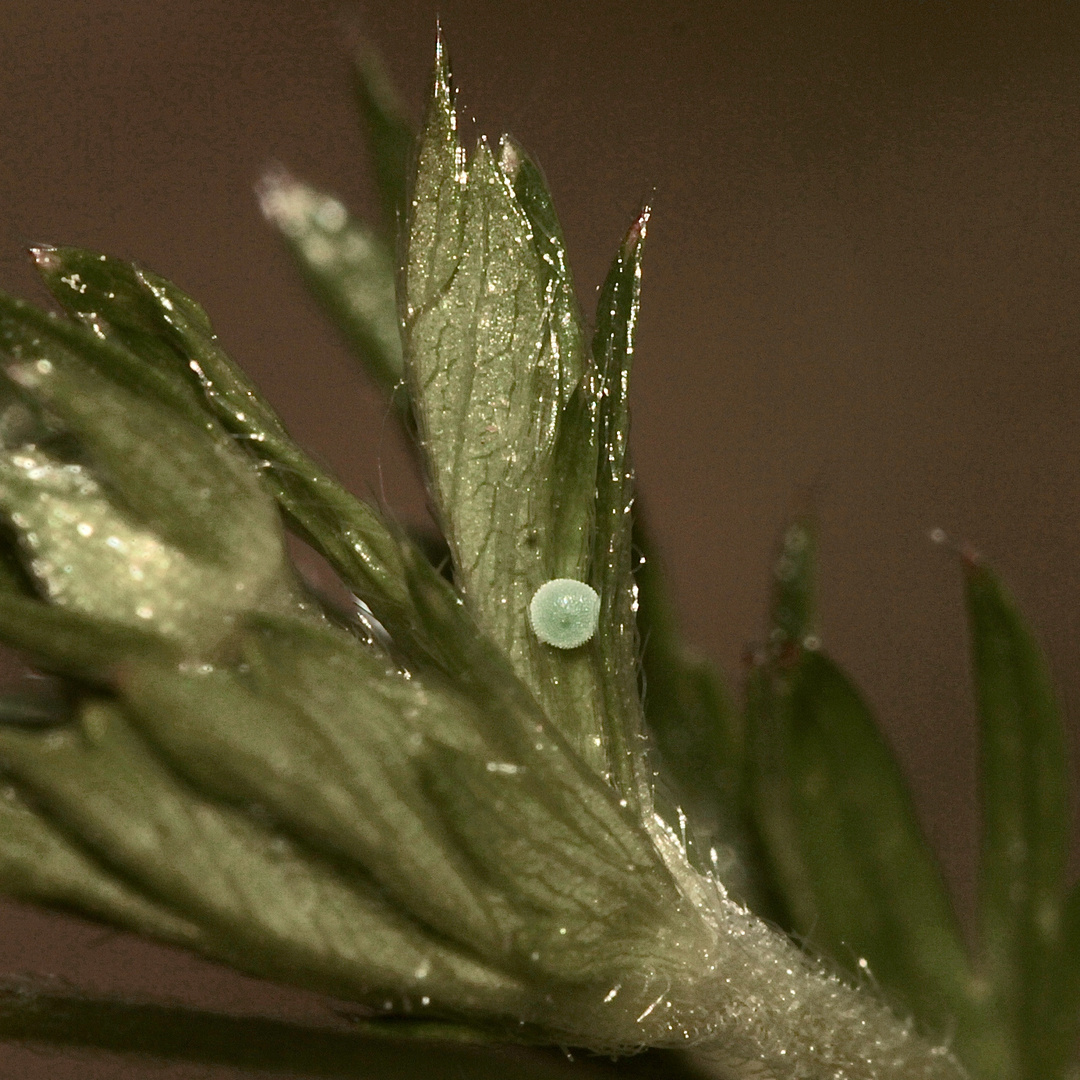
(390,137)
(563,314)
(348,268)
(574,454)
(1024,786)
(611,572)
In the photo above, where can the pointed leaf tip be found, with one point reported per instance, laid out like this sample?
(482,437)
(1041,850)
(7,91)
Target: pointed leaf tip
(636,234)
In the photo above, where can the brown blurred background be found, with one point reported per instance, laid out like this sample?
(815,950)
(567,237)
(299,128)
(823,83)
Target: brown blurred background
(862,293)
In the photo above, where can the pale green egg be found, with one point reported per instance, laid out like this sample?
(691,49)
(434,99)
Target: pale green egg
(564,613)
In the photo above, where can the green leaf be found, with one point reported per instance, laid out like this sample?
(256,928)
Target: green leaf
(39,863)
(507,416)
(137,310)
(611,572)
(348,269)
(329,738)
(1024,785)
(488,390)
(265,904)
(390,136)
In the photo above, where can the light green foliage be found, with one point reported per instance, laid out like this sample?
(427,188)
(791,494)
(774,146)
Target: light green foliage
(444,818)
(348,268)
(525,442)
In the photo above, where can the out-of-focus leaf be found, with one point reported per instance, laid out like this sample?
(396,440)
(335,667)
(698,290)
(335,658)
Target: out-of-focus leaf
(879,895)
(137,310)
(1024,785)
(793,603)
(38,863)
(45,708)
(349,270)
(390,136)
(329,738)
(1066,1018)
(176,1033)
(74,643)
(840,830)
(265,903)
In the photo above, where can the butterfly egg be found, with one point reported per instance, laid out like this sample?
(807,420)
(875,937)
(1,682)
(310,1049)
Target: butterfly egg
(564,613)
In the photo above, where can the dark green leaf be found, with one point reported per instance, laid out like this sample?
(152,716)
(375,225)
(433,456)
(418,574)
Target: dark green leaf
(348,269)
(175,1033)
(110,297)
(1024,784)
(611,572)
